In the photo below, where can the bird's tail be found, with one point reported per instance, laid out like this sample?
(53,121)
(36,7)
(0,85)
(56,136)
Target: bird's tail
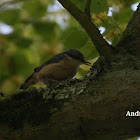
(28,82)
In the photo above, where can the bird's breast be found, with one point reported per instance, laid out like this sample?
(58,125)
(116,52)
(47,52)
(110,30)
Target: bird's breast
(58,71)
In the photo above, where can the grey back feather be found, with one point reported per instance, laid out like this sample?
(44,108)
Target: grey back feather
(54,59)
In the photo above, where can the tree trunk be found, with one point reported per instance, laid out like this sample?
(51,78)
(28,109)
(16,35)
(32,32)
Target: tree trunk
(94,107)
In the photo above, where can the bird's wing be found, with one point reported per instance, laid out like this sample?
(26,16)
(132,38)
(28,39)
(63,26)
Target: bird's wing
(54,59)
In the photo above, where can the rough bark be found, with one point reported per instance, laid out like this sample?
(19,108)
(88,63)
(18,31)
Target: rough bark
(90,108)
(130,40)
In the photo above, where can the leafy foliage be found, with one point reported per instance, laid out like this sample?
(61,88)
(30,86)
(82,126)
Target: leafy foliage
(39,33)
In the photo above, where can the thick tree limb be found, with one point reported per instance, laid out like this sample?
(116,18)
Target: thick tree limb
(92,108)
(130,40)
(100,43)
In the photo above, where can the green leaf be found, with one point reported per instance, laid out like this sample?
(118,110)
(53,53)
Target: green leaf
(19,40)
(74,38)
(20,61)
(98,6)
(121,16)
(10,17)
(46,29)
(35,8)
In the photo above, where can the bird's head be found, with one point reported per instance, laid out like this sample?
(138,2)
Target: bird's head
(78,56)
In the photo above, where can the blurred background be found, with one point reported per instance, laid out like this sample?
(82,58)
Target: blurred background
(32,31)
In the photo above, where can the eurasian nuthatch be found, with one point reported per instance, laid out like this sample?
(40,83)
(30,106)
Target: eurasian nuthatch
(60,67)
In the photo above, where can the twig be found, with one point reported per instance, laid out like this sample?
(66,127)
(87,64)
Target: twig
(87,9)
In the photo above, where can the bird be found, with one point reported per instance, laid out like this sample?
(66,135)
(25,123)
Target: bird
(60,67)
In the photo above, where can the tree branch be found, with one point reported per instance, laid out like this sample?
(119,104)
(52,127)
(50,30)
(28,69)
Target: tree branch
(87,105)
(130,40)
(100,43)
(87,9)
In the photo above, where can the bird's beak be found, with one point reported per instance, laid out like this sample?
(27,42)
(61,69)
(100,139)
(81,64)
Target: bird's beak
(87,63)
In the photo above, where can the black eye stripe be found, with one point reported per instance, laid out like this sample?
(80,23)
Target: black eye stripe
(75,54)
(79,57)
